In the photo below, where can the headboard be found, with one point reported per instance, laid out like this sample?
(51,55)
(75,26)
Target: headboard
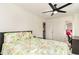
(1,40)
(2,37)
(16,31)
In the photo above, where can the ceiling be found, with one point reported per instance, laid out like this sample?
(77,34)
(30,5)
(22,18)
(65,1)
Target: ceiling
(38,8)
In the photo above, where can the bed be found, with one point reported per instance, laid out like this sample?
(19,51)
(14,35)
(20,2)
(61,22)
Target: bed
(23,43)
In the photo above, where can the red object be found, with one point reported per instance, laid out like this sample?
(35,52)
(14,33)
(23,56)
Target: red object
(68,32)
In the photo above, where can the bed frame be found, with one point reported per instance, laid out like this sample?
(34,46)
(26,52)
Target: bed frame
(2,37)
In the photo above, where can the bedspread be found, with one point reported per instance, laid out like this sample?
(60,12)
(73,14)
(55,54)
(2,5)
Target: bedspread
(33,46)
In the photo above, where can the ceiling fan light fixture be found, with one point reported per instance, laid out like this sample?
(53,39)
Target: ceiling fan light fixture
(55,12)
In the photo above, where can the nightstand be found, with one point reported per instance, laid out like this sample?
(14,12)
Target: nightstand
(75,45)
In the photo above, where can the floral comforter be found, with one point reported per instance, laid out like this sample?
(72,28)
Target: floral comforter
(16,44)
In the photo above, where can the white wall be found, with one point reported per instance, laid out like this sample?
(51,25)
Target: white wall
(76,25)
(56,27)
(14,18)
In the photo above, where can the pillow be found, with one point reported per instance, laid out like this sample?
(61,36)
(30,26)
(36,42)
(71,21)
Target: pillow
(15,36)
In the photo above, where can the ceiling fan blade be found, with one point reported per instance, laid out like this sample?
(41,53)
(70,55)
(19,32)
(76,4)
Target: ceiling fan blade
(52,14)
(55,4)
(51,5)
(61,11)
(47,11)
(64,5)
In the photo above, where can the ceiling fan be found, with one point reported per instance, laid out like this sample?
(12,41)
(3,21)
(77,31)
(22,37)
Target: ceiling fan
(55,9)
